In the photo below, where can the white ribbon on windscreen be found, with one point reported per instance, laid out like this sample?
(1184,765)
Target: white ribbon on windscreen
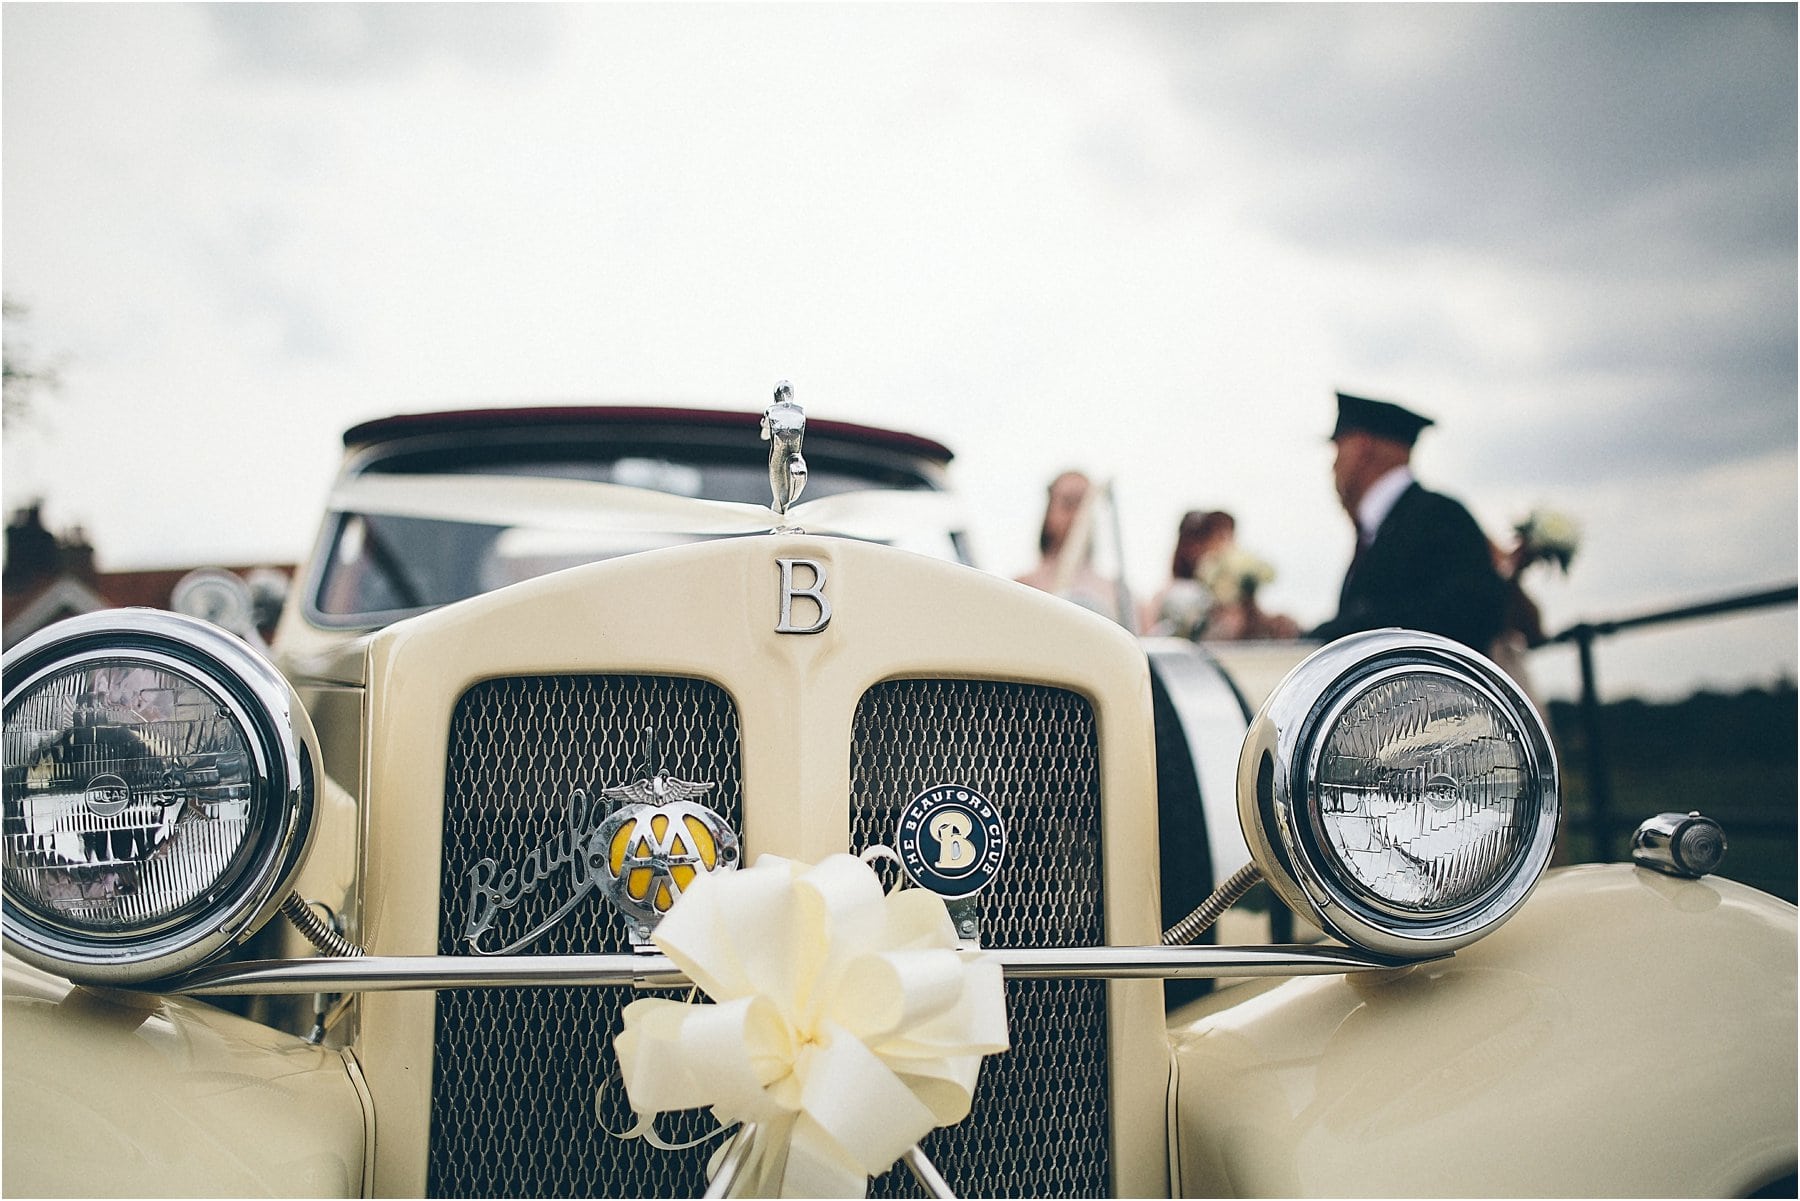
(534,502)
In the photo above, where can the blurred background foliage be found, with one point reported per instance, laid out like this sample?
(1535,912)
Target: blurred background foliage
(1730,756)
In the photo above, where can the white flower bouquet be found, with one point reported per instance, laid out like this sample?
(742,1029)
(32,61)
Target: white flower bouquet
(1232,574)
(1184,608)
(1548,536)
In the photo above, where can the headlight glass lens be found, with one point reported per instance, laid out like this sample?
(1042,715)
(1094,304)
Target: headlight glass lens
(1426,793)
(131,792)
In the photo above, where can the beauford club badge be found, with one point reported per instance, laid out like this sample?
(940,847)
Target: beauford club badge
(951,840)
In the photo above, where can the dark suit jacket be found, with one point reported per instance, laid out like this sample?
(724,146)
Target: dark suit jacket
(1429,568)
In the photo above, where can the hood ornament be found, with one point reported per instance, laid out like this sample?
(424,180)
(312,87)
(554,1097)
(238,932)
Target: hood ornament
(783,428)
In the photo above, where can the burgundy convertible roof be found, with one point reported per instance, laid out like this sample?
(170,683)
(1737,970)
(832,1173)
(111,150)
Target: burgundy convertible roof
(475,421)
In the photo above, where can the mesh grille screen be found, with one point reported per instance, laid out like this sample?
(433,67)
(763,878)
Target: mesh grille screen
(1039,1126)
(517,1070)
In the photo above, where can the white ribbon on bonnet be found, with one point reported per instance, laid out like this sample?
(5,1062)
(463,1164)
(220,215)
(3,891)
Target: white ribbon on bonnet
(846,1024)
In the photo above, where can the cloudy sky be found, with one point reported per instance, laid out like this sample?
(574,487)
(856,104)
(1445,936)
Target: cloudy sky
(1146,241)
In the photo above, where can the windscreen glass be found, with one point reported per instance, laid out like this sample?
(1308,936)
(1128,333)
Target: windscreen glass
(379,566)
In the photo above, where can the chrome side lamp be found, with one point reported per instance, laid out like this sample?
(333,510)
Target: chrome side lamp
(1679,844)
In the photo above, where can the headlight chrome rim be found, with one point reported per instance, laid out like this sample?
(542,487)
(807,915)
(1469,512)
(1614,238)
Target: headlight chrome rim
(283,751)
(1279,768)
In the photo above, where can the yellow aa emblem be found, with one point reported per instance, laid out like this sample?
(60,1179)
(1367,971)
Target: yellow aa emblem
(658,856)
(654,852)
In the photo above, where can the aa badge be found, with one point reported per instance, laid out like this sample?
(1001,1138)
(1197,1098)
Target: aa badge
(656,846)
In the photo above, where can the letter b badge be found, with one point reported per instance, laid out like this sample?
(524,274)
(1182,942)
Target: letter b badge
(815,594)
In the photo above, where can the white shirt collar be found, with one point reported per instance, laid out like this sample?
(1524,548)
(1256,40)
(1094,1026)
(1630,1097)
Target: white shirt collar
(1380,499)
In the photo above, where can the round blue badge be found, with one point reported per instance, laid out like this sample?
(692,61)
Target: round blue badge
(951,840)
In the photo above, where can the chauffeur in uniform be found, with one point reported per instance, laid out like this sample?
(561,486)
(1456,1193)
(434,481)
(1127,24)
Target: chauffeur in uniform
(1421,561)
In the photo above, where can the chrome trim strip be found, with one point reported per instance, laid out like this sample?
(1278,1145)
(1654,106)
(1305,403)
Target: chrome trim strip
(1186,963)
(926,1173)
(1214,724)
(398,973)
(737,1154)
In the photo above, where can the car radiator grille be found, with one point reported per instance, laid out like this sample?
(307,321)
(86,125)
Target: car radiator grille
(1039,1125)
(518,1070)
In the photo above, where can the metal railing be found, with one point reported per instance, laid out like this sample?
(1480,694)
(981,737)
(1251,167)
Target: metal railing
(1584,635)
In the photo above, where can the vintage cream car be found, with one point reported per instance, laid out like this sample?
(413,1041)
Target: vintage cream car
(366,925)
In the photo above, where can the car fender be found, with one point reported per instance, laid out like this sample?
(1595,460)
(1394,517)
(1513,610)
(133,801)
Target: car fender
(120,1093)
(1626,1033)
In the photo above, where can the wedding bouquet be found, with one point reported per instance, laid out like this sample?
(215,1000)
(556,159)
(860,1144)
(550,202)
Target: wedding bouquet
(1185,606)
(1232,574)
(1547,536)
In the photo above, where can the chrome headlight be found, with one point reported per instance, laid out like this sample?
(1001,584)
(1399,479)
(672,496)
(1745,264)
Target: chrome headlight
(1401,790)
(158,794)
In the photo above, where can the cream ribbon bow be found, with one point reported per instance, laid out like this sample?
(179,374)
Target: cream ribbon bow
(845,1023)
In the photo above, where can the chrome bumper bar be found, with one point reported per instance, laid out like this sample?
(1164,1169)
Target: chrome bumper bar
(392,973)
